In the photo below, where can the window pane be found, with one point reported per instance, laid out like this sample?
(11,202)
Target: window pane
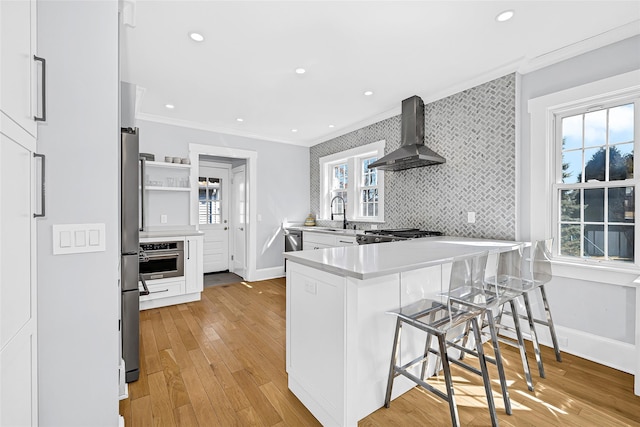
(621,124)
(621,242)
(621,162)
(572,132)
(595,128)
(340,177)
(202,194)
(570,205)
(621,204)
(571,166)
(594,241)
(594,168)
(594,205)
(570,240)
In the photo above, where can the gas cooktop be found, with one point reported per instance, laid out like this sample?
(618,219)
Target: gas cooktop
(392,235)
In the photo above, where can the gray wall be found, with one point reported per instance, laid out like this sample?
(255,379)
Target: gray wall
(78,295)
(283,178)
(599,308)
(475,131)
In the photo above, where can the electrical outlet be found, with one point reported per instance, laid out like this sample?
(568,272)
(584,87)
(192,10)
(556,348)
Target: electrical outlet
(374,226)
(471,217)
(310,287)
(163,219)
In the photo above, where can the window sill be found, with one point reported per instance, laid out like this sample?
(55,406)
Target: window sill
(597,273)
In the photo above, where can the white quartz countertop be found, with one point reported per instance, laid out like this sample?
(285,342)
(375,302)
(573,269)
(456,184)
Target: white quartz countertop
(380,259)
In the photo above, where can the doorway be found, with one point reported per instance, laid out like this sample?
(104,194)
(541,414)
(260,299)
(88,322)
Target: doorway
(221,208)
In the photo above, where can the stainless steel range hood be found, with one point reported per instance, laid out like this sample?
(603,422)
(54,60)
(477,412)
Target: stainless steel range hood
(412,152)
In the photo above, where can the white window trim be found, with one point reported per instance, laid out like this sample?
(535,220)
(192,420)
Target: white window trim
(373,149)
(543,158)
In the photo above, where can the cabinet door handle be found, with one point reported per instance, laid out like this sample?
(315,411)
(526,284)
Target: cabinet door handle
(44,90)
(143,166)
(345,241)
(188,249)
(42,186)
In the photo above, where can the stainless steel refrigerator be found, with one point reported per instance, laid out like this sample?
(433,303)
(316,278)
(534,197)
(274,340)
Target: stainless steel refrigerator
(130,247)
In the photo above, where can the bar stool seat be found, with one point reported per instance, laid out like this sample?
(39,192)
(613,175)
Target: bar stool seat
(442,317)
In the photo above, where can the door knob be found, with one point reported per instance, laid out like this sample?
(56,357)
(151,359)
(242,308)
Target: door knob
(226,228)
(241,228)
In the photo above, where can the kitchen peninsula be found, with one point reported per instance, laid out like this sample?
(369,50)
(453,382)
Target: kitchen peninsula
(338,336)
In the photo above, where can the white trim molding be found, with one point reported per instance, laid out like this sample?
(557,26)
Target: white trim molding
(542,161)
(195,150)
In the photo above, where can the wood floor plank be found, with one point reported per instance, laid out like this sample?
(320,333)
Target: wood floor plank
(142,416)
(160,401)
(199,399)
(147,337)
(175,385)
(224,410)
(287,412)
(159,332)
(259,402)
(186,417)
(238,359)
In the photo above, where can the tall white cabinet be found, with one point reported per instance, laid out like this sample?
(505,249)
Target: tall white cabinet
(18,294)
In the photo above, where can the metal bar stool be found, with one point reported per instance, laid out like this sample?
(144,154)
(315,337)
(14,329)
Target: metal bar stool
(507,286)
(440,317)
(538,274)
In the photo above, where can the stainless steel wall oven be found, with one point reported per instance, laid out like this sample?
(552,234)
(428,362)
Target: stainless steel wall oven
(160,260)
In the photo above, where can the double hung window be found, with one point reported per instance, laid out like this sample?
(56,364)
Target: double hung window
(595,181)
(348,185)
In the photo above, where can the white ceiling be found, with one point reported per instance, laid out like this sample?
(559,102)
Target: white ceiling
(245,68)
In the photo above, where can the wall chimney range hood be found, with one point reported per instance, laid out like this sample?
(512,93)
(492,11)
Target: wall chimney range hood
(412,152)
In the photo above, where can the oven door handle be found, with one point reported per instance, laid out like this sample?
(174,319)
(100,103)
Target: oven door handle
(144,285)
(163,255)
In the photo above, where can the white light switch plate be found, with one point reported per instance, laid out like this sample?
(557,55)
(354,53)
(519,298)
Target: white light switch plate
(78,238)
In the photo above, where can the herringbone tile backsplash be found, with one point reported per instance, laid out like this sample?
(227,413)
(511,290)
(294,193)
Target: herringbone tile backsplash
(474,131)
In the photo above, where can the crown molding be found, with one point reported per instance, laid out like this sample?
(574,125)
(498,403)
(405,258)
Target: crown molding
(583,46)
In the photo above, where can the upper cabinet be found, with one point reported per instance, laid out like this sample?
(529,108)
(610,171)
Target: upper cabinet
(18,68)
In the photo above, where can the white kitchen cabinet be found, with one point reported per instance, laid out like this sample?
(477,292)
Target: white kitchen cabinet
(315,240)
(17,66)
(177,290)
(193,264)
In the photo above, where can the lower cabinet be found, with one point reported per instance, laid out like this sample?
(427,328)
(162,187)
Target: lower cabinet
(177,290)
(315,240)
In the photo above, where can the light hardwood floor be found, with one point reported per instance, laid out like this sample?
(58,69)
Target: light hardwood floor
(221,362)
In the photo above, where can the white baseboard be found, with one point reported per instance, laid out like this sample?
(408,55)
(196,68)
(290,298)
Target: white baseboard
(267,273)
(605,351)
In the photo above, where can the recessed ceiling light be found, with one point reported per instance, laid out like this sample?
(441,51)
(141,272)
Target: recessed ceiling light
(294,130)
(331,126)
(504,16)
(196,37)
(300,71)
(170,106)
(368,93)
(239,119)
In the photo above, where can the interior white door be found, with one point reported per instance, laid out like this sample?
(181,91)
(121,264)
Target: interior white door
(213,215)
(18,352)
(239,220)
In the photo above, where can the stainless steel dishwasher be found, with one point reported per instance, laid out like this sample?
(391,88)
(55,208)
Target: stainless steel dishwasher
(292,242)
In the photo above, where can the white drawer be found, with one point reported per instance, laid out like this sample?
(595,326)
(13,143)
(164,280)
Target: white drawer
(321,238)
(163,290)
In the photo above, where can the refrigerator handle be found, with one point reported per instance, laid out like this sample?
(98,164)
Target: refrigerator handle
(143,166)
(42,187)
(144,285)
(42,118)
